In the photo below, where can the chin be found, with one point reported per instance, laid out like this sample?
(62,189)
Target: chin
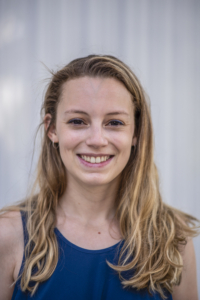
(93,183)
(96,181)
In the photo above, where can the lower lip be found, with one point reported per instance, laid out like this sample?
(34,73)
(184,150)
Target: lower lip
(99,165)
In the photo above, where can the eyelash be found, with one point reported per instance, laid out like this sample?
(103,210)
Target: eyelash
(75,120)
(116,121)
(119,123)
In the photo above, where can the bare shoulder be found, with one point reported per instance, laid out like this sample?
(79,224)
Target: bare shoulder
(10,219)
(11,230)
(188,286)
(11,251)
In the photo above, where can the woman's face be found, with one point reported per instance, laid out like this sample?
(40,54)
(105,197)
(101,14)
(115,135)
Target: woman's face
(94,129)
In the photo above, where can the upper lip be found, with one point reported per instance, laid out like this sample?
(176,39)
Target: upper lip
(94,155)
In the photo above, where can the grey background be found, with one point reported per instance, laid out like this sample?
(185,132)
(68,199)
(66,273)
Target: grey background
(160,40)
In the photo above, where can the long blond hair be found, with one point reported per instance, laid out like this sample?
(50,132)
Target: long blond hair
(152,231)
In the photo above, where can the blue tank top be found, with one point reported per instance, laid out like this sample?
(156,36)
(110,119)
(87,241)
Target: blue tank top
(82,274)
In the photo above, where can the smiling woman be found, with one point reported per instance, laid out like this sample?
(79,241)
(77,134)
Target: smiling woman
(97,227)
(94,146)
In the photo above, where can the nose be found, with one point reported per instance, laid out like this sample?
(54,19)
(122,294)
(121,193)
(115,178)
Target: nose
(96,137)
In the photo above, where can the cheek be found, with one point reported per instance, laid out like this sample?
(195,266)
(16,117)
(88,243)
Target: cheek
(69,140)
(123,141)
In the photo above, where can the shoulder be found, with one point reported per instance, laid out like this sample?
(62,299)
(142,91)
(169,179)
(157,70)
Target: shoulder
(188,286)
(11,229)
(11,240)
(184,228)
(11,251)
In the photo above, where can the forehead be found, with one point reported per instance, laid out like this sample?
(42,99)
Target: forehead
(96,92)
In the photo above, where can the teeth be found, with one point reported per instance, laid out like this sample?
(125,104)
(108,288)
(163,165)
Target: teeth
(98,160)
(94,160)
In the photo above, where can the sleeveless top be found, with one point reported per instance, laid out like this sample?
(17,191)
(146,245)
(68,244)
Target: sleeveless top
(83,274)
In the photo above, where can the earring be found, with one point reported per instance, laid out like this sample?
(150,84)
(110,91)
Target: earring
(54,145)
(133,148)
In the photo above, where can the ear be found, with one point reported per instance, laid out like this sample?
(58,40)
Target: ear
(50,128)
(134,141)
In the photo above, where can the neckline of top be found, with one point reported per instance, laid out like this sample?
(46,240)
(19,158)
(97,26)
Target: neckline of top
(64,239)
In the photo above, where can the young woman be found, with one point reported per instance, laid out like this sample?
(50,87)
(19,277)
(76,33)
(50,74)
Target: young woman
(95,226)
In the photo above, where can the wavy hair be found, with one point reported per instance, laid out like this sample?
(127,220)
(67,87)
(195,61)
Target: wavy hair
(152,231)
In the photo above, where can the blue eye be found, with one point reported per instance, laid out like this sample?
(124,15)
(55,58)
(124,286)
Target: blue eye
(115,123)
(76,122)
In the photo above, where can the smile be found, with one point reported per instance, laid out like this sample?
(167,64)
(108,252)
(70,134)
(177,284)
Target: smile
(95,160)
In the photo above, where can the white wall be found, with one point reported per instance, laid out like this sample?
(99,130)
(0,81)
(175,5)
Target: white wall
(160,40)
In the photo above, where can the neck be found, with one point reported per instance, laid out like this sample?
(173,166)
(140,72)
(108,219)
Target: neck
(89,205)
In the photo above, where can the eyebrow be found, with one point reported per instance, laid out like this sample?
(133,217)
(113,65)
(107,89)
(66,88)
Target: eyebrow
(73,111)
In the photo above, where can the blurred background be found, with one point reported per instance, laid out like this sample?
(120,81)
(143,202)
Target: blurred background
(159,40)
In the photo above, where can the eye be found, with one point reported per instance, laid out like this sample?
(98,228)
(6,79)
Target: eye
(76,122)
(115,123)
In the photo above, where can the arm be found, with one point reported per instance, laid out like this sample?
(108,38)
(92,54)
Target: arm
(187,290)
(11,252)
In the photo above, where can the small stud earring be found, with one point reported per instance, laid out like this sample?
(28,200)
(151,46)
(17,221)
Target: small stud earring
(133,148)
